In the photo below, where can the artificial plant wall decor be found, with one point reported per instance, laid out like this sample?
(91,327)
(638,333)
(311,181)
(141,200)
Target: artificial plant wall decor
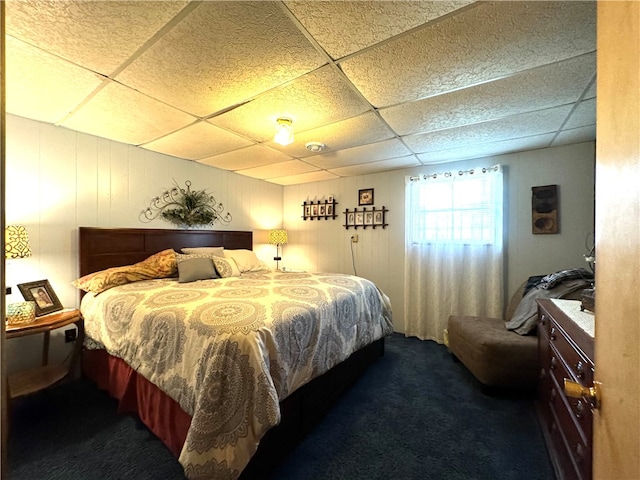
(186,208)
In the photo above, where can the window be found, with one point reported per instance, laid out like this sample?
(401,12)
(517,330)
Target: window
(458,207)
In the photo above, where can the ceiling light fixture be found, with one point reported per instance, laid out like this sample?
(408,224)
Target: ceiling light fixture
(284,131)
(315,147)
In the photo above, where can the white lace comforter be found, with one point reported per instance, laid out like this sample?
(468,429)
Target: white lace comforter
(228,350)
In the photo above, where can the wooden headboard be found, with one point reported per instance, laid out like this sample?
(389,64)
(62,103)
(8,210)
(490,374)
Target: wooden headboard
(102,248)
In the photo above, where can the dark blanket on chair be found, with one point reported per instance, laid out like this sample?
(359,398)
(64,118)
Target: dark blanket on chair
(524,318)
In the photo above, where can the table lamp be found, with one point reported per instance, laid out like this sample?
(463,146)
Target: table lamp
(277,238)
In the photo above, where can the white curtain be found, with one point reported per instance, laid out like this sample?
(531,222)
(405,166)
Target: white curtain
(454,249)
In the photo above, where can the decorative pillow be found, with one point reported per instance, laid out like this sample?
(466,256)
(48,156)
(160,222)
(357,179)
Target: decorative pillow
(197,268)
(226,267)
(181,257)
(217,251)
(160,265)
(246,260)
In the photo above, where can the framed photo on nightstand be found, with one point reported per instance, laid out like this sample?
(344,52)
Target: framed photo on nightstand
(42,294)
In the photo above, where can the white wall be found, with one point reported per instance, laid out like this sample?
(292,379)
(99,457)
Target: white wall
(58,180)
(324,245)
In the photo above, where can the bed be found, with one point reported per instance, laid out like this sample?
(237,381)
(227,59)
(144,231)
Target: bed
(230,373)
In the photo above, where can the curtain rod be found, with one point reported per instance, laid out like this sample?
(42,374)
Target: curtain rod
(471,171)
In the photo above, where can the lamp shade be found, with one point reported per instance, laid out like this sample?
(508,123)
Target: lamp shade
(278,237)
(16,242)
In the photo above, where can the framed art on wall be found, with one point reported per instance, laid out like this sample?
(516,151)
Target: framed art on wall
(365,196)
(42,294)
(368,218)
(365,218)
(544,209)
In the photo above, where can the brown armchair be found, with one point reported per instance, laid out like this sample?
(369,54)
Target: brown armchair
(497,357)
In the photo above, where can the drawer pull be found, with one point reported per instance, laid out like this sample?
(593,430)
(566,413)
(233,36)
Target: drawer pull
(580,369)
(575,390)
(552,365)
(579,452)
(579,409)
(552,334)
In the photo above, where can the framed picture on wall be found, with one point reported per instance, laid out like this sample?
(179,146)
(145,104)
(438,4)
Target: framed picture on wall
(377,218)
(359,218)
(322,210)
(368,218)
(365,196)
(351,218)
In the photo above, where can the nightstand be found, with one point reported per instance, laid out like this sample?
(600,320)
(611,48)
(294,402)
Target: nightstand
(35,379)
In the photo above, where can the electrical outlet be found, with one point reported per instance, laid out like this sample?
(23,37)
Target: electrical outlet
(354,238)
(70,335)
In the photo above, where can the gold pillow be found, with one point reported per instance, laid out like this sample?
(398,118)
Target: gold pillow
(160,265)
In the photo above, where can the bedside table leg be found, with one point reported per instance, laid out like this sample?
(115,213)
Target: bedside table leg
(45,348)
(77,348)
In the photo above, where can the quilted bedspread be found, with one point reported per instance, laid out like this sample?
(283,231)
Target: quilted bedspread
(228,350)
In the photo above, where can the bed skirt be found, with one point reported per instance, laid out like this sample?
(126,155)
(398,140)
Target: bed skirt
(166,419)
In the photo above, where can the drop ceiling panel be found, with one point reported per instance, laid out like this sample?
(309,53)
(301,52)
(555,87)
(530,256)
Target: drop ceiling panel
(316,99)
(221,54)
(517,126)
(42,86)
(124,115)
(97,35)
(198,141)
(375,167)
(535,89)
(360,130)
(291,167)
(365,153)
(487,149)
(318,176)
(341,28)
(244,158)
(484,76)
(576,135)
(583,115)
(591,92)
(478,45)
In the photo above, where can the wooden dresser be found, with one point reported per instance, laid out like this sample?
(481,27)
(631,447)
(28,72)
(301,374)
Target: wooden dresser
(566,346)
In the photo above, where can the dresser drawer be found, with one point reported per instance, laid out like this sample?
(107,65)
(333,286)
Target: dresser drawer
(566,352)
(578,408)
(580,368)
(577,446)
(560,455)
(544,323)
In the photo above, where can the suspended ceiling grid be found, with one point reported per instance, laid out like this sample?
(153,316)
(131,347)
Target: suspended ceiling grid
(383,84)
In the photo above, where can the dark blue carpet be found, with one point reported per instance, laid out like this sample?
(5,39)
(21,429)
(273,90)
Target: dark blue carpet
(415,414)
